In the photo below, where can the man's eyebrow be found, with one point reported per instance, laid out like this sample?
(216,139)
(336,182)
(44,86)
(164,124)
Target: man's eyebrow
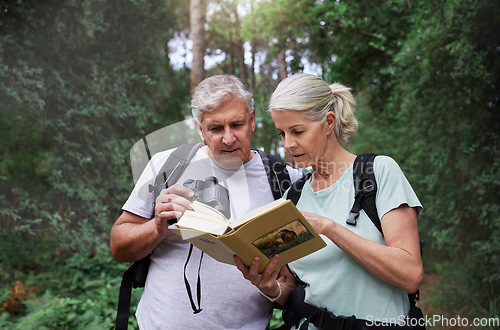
(236,121)
(214,125)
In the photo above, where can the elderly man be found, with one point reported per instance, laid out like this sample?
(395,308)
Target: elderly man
(225,120)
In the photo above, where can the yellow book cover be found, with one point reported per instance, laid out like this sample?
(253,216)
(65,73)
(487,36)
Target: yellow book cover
(275,228)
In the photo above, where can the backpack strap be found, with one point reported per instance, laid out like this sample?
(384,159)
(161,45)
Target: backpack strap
(123,310)
(135,275)
(365,190)
(296,188)
(277,174)
(173,167)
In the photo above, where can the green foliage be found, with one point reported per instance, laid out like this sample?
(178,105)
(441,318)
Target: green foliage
(276,319)
(426,78)
(79,292)
(80,83)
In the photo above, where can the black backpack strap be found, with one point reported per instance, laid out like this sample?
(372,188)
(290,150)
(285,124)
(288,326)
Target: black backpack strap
(277,174)
(123,310)
(365,191)
(296,188)
(135,275)
(173,167)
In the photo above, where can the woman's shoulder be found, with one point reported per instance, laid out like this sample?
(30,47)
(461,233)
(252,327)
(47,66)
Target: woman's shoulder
(384,166)
(385,162)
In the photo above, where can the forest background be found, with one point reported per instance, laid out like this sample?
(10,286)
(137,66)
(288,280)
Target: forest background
(82,81)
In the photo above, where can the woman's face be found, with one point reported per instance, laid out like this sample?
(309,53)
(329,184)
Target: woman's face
(305,140)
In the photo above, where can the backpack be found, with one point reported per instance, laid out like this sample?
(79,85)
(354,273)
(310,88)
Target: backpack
(365,191)
(170,172)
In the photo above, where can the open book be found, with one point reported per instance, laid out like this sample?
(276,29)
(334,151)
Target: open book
(275,228)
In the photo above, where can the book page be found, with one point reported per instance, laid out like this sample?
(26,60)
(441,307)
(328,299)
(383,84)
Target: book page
(207,209)
(202,222)
(185,233)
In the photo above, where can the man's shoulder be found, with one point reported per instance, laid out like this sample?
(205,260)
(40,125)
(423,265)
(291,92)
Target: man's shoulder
(294,173)
(162,156)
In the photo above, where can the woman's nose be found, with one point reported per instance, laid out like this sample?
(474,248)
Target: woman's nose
(288,142)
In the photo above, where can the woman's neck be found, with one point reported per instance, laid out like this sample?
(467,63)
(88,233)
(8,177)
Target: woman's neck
(331,167)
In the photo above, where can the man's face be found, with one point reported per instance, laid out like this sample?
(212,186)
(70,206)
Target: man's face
(227,131)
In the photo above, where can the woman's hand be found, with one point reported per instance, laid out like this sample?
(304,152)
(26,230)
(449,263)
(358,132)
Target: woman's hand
(319,223)
(274,283)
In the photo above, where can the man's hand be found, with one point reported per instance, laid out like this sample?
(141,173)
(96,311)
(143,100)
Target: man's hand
(133,237)
(171,204)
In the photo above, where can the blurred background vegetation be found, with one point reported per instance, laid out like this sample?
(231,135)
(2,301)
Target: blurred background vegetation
(81,81)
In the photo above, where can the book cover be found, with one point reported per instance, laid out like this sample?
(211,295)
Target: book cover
(275,228)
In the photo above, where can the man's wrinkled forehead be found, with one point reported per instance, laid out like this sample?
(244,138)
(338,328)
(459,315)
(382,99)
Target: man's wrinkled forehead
(212,116)
(220,101)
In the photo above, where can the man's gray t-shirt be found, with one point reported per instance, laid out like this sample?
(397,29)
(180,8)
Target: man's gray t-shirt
(228,301)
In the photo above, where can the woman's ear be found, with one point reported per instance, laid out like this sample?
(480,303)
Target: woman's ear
(330,122)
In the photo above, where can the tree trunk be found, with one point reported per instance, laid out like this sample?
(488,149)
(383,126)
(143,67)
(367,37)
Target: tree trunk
(253,46)
(241,61)
(238,42)
(231,54)
(197,18)
(282,70)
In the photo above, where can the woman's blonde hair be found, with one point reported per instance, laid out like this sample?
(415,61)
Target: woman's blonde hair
(312,95)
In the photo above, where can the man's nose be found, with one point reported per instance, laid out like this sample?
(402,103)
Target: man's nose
(228,138)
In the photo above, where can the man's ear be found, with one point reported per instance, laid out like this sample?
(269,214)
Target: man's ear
(252,120)
(199,129)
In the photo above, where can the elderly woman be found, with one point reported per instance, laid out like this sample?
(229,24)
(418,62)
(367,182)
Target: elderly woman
(362,276)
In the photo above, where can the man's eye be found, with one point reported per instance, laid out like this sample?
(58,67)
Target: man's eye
(215,128)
